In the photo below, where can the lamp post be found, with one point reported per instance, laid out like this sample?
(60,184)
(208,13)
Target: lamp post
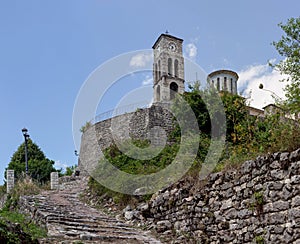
(26,136)
(261,86)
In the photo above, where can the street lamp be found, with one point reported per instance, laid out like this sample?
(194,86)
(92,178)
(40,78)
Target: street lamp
(26,136)
(261,86)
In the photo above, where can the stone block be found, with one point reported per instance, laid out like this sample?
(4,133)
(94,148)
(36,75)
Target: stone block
(281,205)
(10,176)
(54,181)
(296,201)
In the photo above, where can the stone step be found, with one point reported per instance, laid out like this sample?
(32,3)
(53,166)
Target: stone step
(101,224)
(68,220)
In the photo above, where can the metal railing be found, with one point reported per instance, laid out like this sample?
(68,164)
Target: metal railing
(119,111)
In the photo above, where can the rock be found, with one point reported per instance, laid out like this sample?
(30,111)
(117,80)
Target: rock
(141,191)
(129,215)
(247,167)
(143,207)
(284,157)
(295,155)
(127,208)
(163,225)
(296,201)
(280,206)
(295,179)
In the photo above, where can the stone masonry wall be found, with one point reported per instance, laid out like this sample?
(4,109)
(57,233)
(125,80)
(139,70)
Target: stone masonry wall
(259,203)
(142,124)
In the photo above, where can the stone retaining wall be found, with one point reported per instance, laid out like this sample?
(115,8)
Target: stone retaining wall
(135,125)
(153,124)
(259,203)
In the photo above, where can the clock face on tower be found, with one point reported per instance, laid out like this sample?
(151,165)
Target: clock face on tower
(172,46)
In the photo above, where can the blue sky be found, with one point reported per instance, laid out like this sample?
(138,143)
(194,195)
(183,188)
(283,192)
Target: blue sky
(49,48)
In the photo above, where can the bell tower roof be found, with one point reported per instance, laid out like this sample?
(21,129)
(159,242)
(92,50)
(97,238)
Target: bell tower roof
(168,36)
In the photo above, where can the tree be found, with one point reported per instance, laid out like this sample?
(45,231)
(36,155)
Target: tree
(236,117)
(39,167)
(289,47)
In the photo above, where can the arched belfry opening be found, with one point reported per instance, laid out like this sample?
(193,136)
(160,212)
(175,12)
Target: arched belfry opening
(173,90)
(168,68)
(158,92)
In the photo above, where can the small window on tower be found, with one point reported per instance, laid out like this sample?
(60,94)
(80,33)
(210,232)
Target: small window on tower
(169,66)
(158,93)
(225,84)
(218,84)
(176,67)
(159,70)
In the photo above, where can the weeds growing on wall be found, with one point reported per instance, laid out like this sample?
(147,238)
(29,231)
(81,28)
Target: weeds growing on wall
(16,227)
(23,187)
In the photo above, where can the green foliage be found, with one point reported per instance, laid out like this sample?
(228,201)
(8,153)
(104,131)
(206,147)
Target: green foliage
(259,240)
(236,117)
(7,235)
(22,187)
(246,136)
(259,198)
(70,170)
(140,166)
(85,127)
(25,230)
(39,167)
(2,190)
(289,47)
(27,226)
(103,193)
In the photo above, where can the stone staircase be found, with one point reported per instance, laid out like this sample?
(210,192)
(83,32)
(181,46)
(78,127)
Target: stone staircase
(68,220)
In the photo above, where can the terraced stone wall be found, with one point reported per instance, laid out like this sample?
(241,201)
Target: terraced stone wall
(259,203)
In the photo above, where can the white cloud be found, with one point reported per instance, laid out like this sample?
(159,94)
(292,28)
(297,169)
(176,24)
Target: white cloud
(254,75)
(140,60)
(59,165)
(147,81)
(191,50)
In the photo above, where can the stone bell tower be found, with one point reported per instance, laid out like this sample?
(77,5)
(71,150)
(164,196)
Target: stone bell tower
(168,68)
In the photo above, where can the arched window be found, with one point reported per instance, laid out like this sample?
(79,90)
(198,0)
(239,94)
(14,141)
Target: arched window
(176,67)
(155,73)
(159,70)
(173,89)
(218,84)
(231,83)
(158,93)
(234,87)
(225,84)
(169,66)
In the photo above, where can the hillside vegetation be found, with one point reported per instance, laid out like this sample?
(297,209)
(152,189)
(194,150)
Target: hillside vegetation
(246,137)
